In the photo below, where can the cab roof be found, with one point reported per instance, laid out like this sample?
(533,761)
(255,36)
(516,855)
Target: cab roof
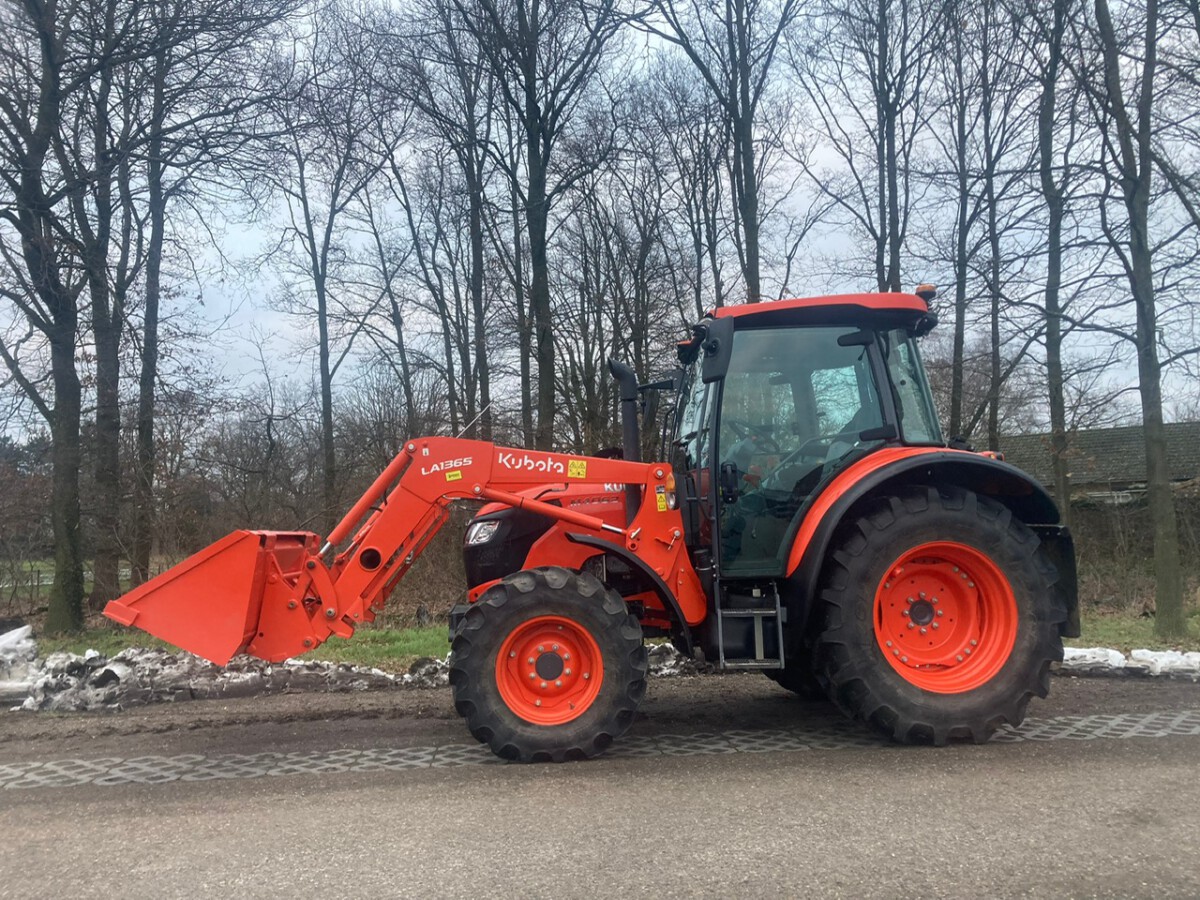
(879,310)
(891,302)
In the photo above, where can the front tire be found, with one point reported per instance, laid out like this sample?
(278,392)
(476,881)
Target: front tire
(548,665)
(940,617)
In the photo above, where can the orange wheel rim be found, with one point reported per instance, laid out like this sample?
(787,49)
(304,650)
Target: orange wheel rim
(549,670)
(946,617)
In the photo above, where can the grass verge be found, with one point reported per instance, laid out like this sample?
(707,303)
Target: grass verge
(1126,632)
(392,650)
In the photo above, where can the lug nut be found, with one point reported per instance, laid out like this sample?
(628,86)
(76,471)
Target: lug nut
(935,625)
(566,657)
(910,600)
(904,612)
(537,702)
(921,594)
(923,631)
(587,675)
(889,643)
(530,660)
(904,659)
(541,648)
(912,625)
(558,683)
(959,657)
(970,584)
(940,612)
(567,672)
(895,653)
(543,684)
(974,643)
(555,647)
(512,653)
(934,601)
(330,613)
(967,651)
(532,675)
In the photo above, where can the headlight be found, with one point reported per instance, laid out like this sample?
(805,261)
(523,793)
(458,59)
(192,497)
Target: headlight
(481,532)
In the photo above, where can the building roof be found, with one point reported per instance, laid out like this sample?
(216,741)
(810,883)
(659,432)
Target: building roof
(1107,457)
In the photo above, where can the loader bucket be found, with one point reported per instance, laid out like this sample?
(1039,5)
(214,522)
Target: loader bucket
(210,604)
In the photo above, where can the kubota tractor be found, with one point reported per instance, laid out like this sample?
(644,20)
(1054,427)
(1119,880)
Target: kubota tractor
(812,523)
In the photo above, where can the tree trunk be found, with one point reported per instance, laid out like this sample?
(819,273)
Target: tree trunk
(65,612)
(143,482)
(482,372)
(107,324)
(1053,193)
(1135,170)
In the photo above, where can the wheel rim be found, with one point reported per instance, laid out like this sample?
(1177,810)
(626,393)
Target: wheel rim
(945,617)
(549,670)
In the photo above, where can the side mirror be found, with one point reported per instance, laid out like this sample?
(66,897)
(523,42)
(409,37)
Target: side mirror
(717,347)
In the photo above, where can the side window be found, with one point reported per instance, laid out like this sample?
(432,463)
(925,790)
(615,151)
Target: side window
(838,399)
(918,422)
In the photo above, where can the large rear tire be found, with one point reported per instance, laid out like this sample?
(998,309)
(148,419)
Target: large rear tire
(940,617)
(548,665)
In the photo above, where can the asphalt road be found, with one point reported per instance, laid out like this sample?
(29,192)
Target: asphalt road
(727,786)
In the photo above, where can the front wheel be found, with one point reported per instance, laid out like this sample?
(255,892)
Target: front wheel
(941,617)
(548,665)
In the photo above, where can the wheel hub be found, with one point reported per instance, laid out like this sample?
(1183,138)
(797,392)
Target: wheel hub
(549,665)
(921,612)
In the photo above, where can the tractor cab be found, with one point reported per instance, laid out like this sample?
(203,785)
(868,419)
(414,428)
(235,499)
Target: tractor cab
(776,399)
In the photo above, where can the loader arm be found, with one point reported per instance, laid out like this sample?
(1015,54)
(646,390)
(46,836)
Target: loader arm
(279,594)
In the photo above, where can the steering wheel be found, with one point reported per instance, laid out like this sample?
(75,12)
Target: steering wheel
(759,434)
(819,445)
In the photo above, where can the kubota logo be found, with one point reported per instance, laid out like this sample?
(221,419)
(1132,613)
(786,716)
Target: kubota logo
(446,464)
(526,463)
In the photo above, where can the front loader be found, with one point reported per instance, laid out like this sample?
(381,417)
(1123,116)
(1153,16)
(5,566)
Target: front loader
(811,523)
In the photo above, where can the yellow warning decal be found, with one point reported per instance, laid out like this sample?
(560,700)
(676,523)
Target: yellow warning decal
(456,475)
(661,498)
(577,468)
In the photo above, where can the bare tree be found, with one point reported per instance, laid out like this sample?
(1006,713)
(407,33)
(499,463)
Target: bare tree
(733,48)
(326,153)
(1130,128)
(544,58)
(865,67)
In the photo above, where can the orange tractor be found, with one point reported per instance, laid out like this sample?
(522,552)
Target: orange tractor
(812,523)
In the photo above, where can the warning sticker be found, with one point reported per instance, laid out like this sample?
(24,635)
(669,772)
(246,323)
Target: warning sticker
(456,475)
(577,468)
(660,498)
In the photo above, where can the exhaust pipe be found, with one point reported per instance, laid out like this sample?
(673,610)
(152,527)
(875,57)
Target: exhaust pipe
(631,439)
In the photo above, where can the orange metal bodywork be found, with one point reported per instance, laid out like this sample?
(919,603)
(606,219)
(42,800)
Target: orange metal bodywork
(847,481)
(274,595)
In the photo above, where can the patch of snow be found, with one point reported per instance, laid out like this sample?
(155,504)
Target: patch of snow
(1091,659)
(1168,662)
(17,655)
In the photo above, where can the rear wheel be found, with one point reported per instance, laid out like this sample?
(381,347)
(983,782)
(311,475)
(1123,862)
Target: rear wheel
(941,617)
(548,666)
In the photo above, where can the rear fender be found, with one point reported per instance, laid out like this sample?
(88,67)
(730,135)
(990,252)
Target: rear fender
(883,472)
